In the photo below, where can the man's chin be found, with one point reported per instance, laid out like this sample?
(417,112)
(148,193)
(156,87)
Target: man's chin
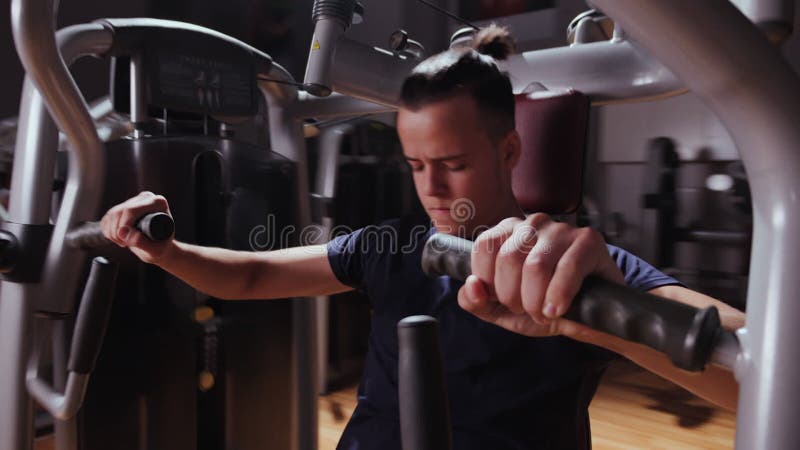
(444,226)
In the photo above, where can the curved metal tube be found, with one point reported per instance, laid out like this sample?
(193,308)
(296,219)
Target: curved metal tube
(756,94)
(612,71)
(37,134)
(61,406)
(48,71)
(336,105)
(774,17)
(369,73)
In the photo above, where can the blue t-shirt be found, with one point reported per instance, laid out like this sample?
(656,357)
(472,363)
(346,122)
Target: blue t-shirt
(506,391)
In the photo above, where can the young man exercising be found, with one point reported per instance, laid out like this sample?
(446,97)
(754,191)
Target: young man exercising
(518,375)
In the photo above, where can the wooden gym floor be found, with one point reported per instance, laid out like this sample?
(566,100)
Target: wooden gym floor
(633,409)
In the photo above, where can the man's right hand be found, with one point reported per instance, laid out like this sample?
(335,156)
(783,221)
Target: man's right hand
(119,226)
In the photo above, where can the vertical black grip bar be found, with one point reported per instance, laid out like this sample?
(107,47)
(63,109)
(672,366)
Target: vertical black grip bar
(424,412)
(93,314)
(156,226)
(687,335)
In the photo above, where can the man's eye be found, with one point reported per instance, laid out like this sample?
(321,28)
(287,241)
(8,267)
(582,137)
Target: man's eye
(456,167)
(416,167)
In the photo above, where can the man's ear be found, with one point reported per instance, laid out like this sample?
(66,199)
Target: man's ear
(511,148)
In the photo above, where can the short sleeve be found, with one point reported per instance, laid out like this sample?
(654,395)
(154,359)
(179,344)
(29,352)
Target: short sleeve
(346,261)
(638,273)
(361,257)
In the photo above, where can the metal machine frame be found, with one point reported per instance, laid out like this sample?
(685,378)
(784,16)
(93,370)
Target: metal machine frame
(52,102)
(739,74)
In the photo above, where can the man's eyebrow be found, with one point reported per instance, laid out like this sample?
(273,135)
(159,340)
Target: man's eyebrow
(443,158)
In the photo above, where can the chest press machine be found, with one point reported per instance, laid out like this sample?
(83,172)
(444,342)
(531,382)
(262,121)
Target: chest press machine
(739,75)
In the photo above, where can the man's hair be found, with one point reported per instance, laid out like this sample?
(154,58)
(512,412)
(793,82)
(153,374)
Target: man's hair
(472,71)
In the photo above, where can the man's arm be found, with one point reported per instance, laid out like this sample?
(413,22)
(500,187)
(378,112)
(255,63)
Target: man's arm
(714,384)
(229,274)
(525,274)
(225,274)
(732,319)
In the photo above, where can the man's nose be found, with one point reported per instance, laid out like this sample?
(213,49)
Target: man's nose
(433,183)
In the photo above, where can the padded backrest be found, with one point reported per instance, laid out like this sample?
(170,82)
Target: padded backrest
(552,127)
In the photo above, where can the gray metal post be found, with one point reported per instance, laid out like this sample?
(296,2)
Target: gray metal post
(331,19)
(138,104)
(330,144)
(336,63)
(16,415)
(34,154)
(286,138)
(66,430)
(755,93)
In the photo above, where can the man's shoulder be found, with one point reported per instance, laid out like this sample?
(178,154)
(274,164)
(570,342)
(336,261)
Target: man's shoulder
(405,223)
(401,231)
(402,235)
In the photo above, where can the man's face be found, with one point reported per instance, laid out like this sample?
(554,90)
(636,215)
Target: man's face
(462,175)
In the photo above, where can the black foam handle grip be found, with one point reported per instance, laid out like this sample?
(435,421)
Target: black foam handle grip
(93,315)
(424,411)
(687,335)
(156,226)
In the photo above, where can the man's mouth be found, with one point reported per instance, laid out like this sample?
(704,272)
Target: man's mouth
(439,213)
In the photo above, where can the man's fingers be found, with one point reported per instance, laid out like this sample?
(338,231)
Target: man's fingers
(537,273)
(136,208)
(582,258)
(119,223)
(485,248)
(107,224)
(508,266)
(142,242)
(473,297)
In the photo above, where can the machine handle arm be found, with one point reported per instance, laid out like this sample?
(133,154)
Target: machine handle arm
(687,335)
(90,328)
(156,226)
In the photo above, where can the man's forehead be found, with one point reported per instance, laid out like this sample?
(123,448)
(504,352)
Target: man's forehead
(460,102)
(453,155)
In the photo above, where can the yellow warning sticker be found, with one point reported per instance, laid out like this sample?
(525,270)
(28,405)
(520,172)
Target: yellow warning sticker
(315,46)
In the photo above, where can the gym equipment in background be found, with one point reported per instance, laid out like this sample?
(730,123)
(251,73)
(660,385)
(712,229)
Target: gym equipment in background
(666,204)
(361,179)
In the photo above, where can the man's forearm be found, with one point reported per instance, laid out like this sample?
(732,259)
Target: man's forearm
(240,275)
(217,272)
(714,384)
(731,318)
